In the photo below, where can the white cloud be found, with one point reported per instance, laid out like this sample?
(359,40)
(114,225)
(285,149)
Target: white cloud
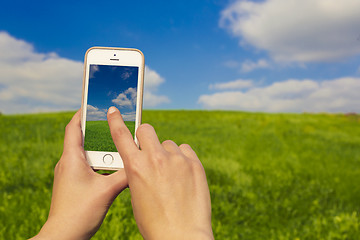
(32,82)
(39,82)
(93,70)
(297,30)
(125,75)
(152,100)
(126,99)
(237,84)
(248,65)
(95,114)
(336,95)
(130,116)
(152,81)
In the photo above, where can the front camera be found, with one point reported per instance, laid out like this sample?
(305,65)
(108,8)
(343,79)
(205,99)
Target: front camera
(114,54)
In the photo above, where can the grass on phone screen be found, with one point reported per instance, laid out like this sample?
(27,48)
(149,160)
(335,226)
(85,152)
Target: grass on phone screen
(98,136)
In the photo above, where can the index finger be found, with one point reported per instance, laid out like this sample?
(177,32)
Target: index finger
(121,135)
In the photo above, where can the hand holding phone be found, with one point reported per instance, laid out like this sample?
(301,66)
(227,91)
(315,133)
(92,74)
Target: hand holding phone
(80,197)
(112,77)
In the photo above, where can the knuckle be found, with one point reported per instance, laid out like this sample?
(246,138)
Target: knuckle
(197,166)
(178,159)
(133,166)
(159,156)
(185,146)
(67,127)
(167,142)
(58,167)
(170,144)
(144,128)
(119,132)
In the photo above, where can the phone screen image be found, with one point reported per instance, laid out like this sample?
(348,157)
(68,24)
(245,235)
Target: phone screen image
(109,86)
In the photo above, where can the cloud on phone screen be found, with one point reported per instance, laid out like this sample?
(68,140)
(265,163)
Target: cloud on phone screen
(129,116)
(95,114)
(126,99)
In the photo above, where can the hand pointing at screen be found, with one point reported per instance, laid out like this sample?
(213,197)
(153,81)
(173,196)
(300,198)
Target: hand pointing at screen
(169,191)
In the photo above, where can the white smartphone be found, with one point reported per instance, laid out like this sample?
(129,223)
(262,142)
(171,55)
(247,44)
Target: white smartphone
(112,77)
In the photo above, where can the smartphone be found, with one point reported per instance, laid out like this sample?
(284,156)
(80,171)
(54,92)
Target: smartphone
(112,77)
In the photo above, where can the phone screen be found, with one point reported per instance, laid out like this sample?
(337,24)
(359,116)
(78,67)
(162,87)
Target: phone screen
(109,86)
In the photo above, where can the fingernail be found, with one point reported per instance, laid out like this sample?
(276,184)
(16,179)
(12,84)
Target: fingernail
(112,110)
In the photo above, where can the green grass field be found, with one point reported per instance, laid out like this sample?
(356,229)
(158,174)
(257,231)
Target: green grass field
(98,136)
(271,176)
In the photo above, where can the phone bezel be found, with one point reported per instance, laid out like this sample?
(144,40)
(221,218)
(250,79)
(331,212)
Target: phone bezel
(103,56)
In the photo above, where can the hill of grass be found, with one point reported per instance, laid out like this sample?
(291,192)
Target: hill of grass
(271,176)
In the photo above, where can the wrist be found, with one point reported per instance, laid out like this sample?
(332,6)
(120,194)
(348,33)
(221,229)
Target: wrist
(57,229)
(201,235)
(180,234)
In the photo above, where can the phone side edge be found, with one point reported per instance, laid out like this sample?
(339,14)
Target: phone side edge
(83,107)
(141,91)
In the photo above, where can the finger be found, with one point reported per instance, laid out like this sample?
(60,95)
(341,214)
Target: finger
(121,135)
(73,134)
(147,137)
(170,146)
(188,151)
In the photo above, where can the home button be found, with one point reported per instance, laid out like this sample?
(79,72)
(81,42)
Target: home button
(108,159)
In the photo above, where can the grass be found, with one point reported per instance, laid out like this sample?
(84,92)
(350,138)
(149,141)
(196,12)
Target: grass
(271,176)
(98,136)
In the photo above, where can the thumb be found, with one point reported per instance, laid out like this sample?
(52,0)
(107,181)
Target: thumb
(117,182)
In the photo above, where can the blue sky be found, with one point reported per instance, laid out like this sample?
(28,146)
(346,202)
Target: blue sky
(269,56)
